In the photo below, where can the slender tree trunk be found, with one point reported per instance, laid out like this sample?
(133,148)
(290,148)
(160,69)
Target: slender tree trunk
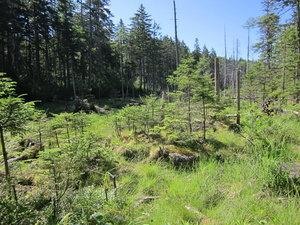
(233,69)
(2,51)
(144,76)
(217,78)
(284,71)
(37,51)
(73,81)
(90,48)
(238,106)
(298,50)
(121,68)
(248,51)
(204,119)
(4,152)
(68,69)
(47,61)
(176,37)
(189,111)
(225,63)
(29,62)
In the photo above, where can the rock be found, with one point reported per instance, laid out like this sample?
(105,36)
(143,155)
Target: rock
(293,169)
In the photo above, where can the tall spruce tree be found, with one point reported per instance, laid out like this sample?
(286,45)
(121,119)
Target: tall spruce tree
(140,40)
(121,46)
(184,79)
(197,51)
(269,29)
(284,6)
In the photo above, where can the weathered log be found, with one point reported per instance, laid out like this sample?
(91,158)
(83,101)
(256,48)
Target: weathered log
(15,159)
(231,115)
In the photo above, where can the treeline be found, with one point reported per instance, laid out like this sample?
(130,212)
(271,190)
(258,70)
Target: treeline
(66,48)
(59,49)
(63,48)
(276,74)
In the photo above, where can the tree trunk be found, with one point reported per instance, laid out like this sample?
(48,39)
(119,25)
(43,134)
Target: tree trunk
(238,122)
(284,71)
(204,119)
(122,72)
(225,82)
(176,37)
(248,51)
(37,64)
(90,49)
(189,111)
(298,35)
(217,78)
(4,152)
(73,81)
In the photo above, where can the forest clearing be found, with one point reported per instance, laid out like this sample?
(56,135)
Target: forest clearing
(143,165)
(115,124)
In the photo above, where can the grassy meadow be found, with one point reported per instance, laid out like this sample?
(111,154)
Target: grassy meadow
(143,165)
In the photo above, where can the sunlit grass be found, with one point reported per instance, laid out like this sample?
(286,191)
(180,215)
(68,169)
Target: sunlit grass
(232,183)
(219,193)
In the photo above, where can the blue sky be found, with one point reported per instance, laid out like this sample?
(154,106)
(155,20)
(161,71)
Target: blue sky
(202,19)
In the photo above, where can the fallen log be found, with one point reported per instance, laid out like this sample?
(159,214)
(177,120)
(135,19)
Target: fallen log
(231,115)
(15,159)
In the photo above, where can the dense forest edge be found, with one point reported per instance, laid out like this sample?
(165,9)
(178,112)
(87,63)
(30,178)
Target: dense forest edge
(100,125)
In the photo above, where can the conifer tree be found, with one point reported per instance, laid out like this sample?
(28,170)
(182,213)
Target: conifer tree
(197,51)
(184,79)
(140,39)
(269,29)
(287,83)
(13,114)
(121,45)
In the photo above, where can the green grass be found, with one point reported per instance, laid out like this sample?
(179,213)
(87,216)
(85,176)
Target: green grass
(235,181)
(229,193)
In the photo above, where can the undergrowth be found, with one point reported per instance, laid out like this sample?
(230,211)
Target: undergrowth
(129,167)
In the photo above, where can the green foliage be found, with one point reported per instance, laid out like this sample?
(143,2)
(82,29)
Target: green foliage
(16,213)
(77,182)
(13,115)
(281,183)
(265,140)
(184,74)
(194,82)
(92,169)
(13,109)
